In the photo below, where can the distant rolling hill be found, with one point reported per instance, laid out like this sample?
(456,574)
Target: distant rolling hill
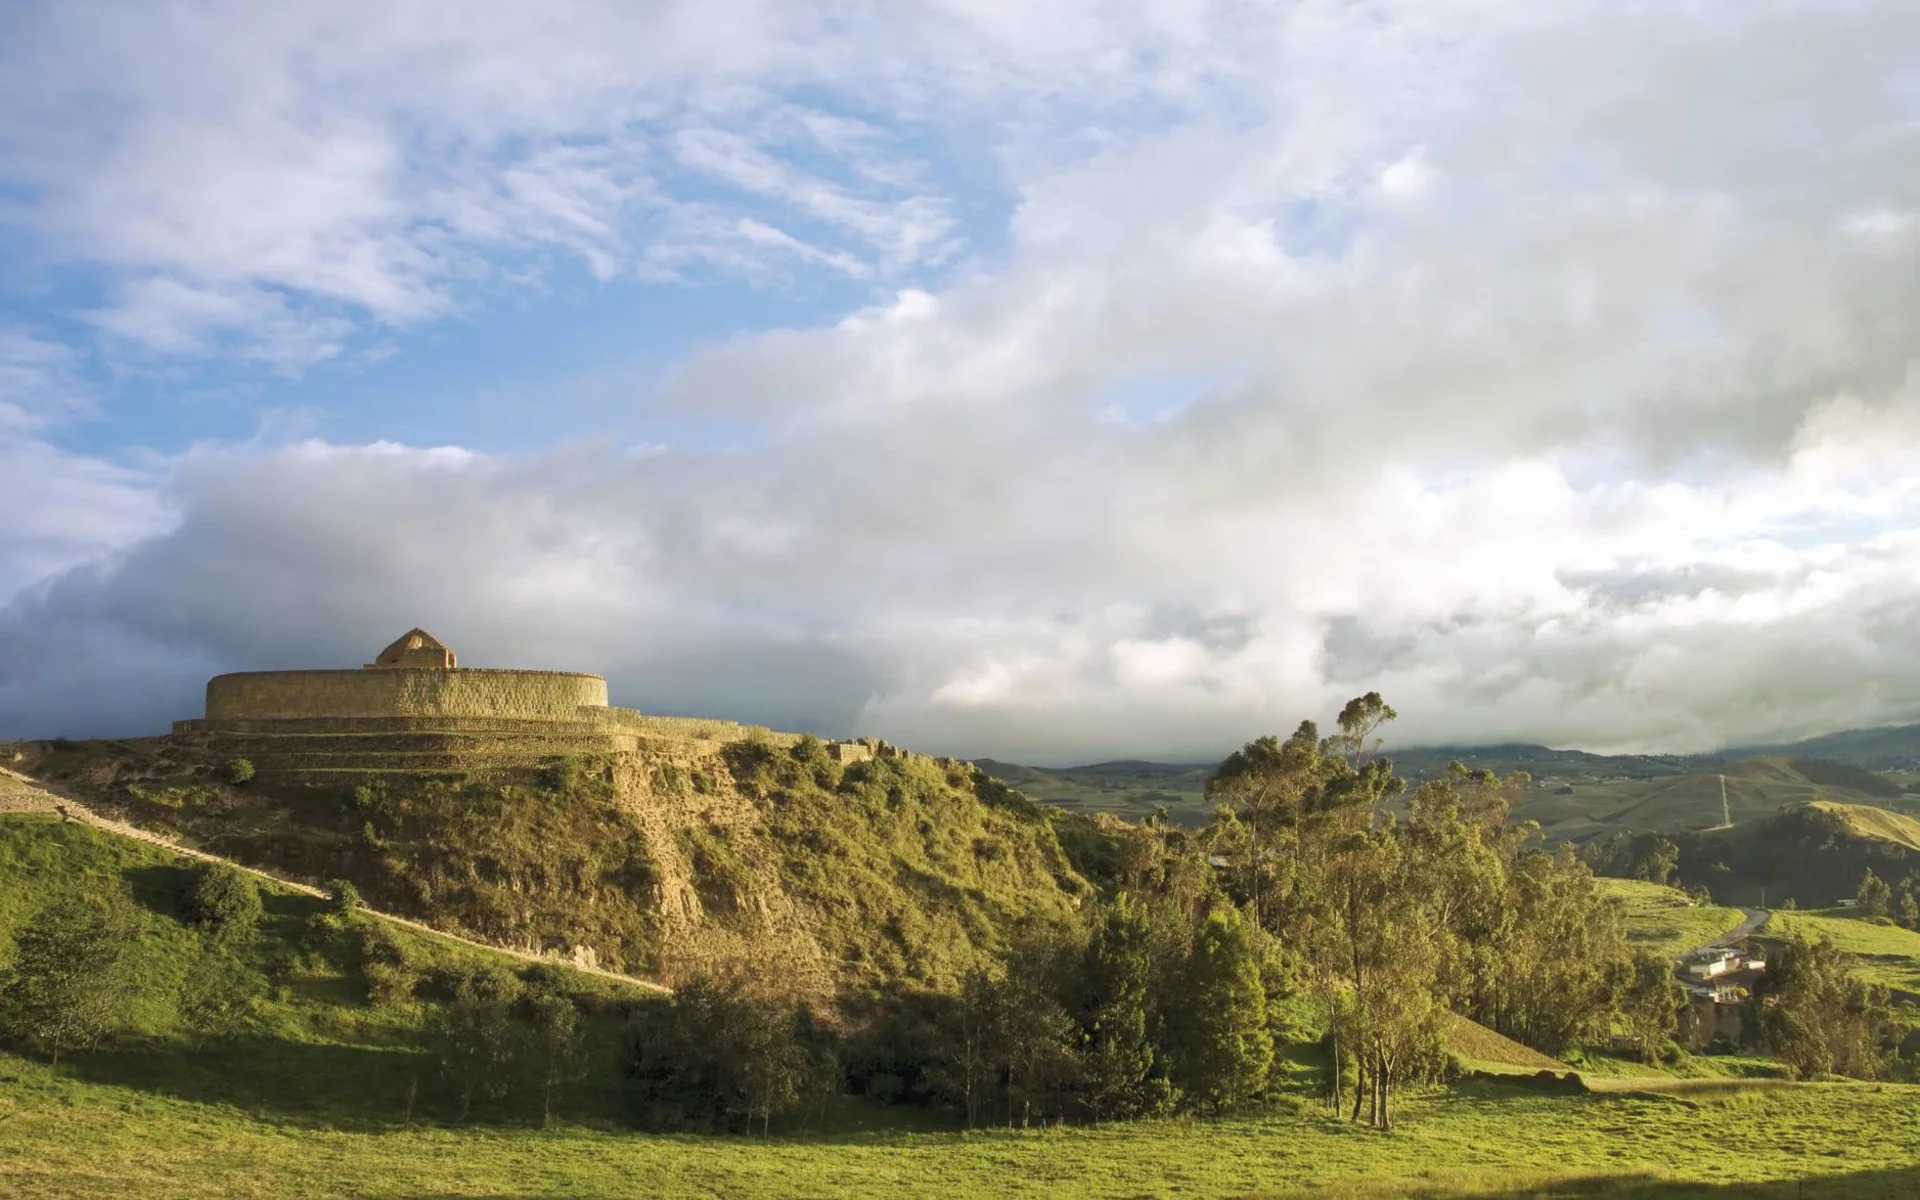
(1576,795)
(1130,788)
(1752,788)
(1886,748)
(1814,853)
(1865,821)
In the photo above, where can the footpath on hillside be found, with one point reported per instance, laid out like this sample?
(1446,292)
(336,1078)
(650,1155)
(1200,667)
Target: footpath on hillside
(20,793)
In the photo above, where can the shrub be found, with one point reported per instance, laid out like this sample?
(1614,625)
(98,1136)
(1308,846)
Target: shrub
(218,997)
(342,897)
(387,965)
(239,770)
(224,901)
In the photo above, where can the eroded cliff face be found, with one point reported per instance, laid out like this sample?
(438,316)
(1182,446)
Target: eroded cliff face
(688,855)
(713,916)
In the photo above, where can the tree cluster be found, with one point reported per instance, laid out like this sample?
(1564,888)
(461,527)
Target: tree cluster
(1820,1017)
(1397,923)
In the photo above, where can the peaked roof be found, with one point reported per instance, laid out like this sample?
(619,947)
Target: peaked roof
(415,648)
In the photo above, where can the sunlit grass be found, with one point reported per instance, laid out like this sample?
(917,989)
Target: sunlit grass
(64,1138)
(1887,953)
(1662,920)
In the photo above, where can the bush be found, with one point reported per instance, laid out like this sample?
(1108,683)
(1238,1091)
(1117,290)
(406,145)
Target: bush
(342,897)
(387,965)
(224,900)
(239,771)
(218,998)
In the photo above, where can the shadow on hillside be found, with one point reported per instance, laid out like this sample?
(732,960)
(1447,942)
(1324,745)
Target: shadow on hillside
(1903,1182)
(161,889)
(1866,1185)
(343,1087)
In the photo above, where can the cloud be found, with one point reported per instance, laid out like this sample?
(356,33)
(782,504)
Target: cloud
(1550,370)
(58,510)
(274,180)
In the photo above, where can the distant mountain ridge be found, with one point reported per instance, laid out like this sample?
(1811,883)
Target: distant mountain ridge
(1577,793)
(1880,748)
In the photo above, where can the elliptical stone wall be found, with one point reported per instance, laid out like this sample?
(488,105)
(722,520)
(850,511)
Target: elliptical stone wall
(404,718)
(404,692)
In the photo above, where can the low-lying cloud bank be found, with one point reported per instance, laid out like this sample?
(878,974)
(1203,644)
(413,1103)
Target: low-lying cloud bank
(977,590)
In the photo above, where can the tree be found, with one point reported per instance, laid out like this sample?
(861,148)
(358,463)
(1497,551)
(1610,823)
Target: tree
(69,986)
(224,901)
(715,1055)
(554,1028)
(1909,905)
(1817,1015)
(472,1034)
(1656,859)
(1224,1052)
(1875,897)
(1650,1004)
(1117,1051)
(966,1064)
(239,771)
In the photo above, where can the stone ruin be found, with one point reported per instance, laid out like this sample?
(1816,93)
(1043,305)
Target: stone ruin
(414,710)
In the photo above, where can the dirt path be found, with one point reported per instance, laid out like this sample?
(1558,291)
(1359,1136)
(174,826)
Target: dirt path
(1753,919)
(18,793)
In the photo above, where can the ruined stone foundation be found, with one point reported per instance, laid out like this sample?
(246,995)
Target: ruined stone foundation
(413,710)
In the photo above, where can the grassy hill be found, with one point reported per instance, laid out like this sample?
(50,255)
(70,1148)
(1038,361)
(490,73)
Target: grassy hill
(313,1045)
(1813,853)
(1665,921)
(1869,822)
(1743,790)
(1887,953)
(1576,796)
(694,856)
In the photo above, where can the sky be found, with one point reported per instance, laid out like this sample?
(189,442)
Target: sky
(1046,381)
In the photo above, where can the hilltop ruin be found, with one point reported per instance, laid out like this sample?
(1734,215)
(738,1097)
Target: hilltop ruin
(415,710)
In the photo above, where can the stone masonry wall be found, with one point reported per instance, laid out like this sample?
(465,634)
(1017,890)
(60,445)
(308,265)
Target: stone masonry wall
(404,692)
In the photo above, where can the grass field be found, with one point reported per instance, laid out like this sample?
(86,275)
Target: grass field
(1887,953)
(1663,920)
(62,1138)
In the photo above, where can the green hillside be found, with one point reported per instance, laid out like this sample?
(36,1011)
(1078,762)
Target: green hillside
(326,1079)
(1869,822)
(1664,921)
(693,857)
(1575,795)
(1814,854)
(1744,790)
(1887,953)
(304,1039)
